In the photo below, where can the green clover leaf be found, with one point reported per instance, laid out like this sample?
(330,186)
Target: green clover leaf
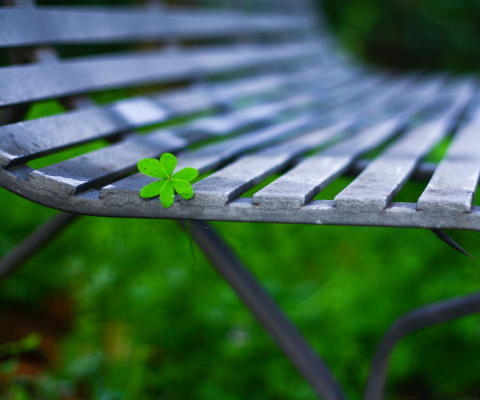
(168,183)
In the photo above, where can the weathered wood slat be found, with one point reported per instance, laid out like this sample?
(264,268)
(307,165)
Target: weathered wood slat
(453,186)
(209,157)
(79,173)
(235,179)
(50,26)
(301,184)
(375,188)
(84,172)
(33,82)
(241,119)
(329,76)
(26,140)
(213,156)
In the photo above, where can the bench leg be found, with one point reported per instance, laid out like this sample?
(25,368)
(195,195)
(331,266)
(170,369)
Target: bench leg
(419,318)
(44,234)
(266,311)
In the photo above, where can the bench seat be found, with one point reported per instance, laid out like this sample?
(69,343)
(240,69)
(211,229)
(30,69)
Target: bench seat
(289,107)
(264,104)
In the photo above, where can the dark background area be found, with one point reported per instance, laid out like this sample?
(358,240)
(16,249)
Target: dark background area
(409,34)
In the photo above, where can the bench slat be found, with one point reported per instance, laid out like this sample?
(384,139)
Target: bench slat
(233,180)
(88,170)
(92,169)
(27,140)
(454,183)
(26,83)
(241,119)
(213,156)
(375,188)
(83,172)
(301,184)
(24,141)
(50,26)
(332,76)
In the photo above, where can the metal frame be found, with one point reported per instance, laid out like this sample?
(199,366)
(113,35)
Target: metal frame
(127,204)
(33,243)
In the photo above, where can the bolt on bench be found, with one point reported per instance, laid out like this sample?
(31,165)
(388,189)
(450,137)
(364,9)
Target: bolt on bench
(258,88)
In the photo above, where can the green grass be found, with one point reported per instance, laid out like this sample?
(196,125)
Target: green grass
(151,324)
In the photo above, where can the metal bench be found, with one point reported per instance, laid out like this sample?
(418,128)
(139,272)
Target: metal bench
(267,79)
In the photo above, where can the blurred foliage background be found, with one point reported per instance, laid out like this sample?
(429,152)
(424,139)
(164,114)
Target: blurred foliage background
(421,34)
(125,313)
